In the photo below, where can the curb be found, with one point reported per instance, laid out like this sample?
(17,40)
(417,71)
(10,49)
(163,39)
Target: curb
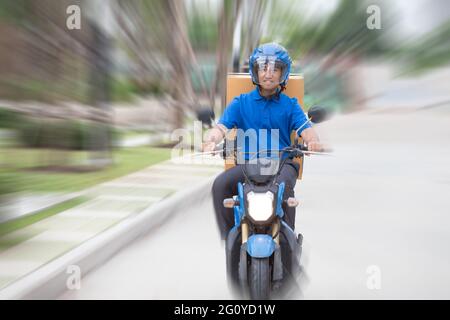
(49,280)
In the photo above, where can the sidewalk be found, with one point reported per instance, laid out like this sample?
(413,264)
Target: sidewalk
(26,204)
(110,203)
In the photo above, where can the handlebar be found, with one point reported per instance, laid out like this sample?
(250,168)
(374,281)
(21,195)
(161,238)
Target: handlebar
(293,151)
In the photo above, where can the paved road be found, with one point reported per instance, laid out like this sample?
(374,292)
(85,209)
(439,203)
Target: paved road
(375,219)
(165,264)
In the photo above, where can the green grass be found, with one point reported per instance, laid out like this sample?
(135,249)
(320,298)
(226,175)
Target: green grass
(19,161)
(19,223)
(132,134)
(19,164)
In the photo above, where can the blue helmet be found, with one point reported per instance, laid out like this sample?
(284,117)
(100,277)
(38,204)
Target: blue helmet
(270,54)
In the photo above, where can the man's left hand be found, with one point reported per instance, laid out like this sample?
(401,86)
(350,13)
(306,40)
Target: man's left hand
(315,146)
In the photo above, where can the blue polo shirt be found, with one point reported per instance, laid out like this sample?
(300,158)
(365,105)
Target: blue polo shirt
(264,123)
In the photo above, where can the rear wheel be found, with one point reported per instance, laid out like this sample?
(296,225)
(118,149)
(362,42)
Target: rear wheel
(259,279)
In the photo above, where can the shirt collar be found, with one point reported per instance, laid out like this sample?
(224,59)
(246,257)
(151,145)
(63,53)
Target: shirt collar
(257,96)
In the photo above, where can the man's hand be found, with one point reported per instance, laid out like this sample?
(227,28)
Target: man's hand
(311,139)
(315,146)
(214,136)
(208,146)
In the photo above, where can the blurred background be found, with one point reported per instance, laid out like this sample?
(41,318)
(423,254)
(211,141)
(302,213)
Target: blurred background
(85,105)
(136,70)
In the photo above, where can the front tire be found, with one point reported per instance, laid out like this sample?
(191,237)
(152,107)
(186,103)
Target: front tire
(259,279)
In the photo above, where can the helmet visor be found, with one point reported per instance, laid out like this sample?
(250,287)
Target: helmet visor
(269,66)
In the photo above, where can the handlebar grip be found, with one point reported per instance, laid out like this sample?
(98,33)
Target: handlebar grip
(305,148)
(302,147)
(219,147)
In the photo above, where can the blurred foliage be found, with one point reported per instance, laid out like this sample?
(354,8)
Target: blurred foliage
(163,40)
(56,134)
(202,28)
(126,89)
(60,134)
(9,119)
(15,11)
(123,90)
(324,88)
(42,62)
(207,70)
(343,32)
(44,91)
(429,52)
(8,183)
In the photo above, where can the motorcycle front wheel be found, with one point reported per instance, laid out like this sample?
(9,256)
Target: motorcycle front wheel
(259,279)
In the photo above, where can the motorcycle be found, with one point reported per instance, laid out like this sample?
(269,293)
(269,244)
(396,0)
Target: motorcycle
(262,251)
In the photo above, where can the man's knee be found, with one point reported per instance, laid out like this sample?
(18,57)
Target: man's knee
(219,185)
(226,182)
(289,216)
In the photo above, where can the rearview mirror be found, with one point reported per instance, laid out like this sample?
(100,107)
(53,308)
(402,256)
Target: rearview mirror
(317,114)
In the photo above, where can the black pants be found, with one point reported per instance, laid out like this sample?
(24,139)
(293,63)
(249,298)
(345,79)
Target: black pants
(225,186)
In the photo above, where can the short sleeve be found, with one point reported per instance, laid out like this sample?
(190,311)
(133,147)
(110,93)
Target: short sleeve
(231,116)
(298,117)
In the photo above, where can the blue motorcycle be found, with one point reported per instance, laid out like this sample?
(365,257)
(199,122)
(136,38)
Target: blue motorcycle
(262,251)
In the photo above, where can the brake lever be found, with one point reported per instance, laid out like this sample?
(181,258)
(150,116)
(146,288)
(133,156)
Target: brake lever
(324,152)
(296,151)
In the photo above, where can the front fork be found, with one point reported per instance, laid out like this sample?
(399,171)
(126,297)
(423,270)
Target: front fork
(276,231)
(244,231)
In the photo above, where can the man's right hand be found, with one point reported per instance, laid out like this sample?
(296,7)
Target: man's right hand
(208,146)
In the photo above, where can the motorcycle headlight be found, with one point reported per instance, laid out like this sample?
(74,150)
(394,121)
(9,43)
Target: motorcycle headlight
(260,205)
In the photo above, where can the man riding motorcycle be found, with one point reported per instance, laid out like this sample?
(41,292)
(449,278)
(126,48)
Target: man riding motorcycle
(272,115)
